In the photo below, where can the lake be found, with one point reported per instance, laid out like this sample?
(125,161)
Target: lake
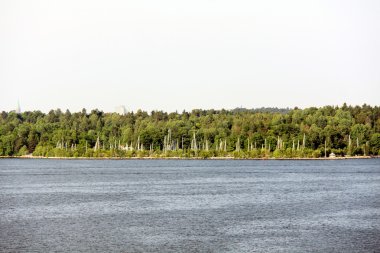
(189,205)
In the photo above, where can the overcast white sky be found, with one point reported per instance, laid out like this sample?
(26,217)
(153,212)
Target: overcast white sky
(173,55)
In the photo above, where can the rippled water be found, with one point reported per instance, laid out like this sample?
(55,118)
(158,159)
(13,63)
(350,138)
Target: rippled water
(189,206)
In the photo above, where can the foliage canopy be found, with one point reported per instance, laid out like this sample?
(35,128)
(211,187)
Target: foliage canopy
(241,133)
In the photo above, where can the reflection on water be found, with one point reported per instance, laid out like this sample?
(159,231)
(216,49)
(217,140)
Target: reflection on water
(189,206)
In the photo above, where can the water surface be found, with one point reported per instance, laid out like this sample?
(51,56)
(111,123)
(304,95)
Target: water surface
(189,206)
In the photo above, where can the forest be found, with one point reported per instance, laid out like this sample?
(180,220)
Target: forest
(239,133)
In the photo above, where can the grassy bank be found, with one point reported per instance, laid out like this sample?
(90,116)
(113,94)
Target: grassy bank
(186,158)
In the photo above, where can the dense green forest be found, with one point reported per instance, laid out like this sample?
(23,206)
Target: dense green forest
(240,133)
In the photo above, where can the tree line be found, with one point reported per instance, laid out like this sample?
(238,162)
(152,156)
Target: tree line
(288,133)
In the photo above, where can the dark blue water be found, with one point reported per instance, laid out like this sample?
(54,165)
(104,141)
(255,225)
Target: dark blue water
(189,206)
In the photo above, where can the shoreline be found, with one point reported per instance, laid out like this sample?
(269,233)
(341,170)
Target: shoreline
(185,158)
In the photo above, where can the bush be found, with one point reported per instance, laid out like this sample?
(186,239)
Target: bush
(277,154)
(23,151)
(317,153)
(204,154)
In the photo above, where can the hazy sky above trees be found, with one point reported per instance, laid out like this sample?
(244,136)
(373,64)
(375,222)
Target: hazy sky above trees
(174,55)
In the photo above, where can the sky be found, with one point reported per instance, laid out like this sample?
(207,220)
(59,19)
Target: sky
(180,55)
